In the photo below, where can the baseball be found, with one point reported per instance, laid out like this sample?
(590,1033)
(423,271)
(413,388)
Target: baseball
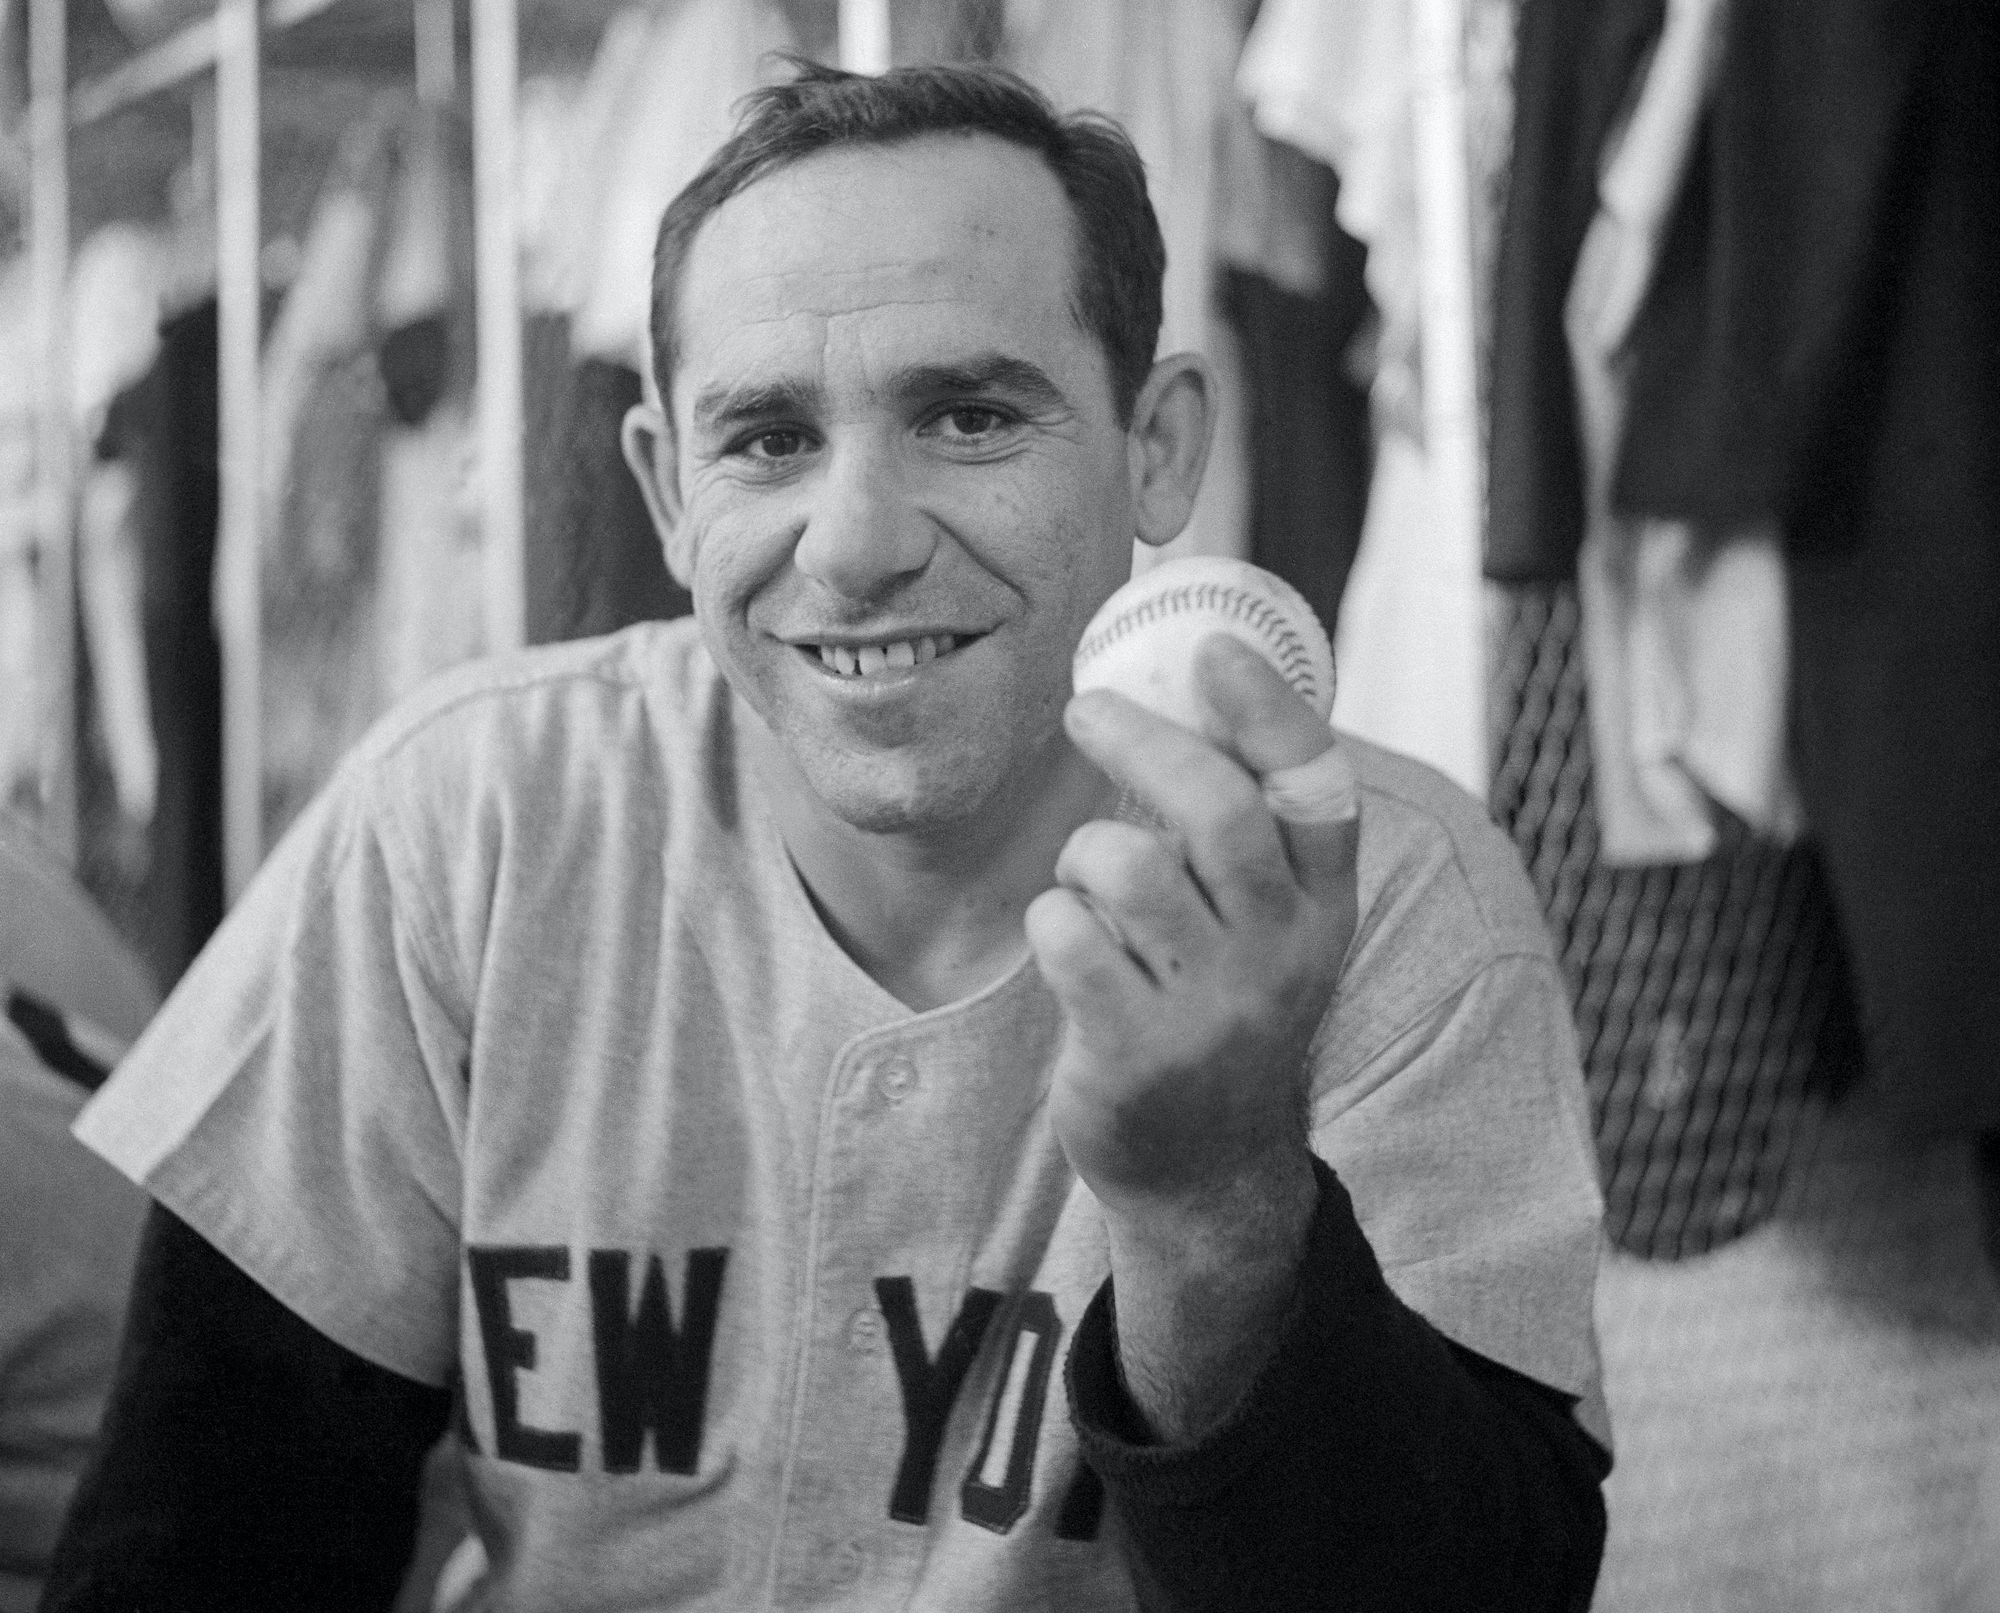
(1141,642)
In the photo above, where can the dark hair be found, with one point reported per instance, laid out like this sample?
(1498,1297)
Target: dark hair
(1120,260)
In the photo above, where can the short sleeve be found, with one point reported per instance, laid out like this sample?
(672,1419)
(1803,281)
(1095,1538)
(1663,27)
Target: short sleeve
(1464,1142)
(300,1100)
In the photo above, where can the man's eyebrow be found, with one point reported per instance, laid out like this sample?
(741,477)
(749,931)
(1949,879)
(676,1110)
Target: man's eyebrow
(725,405)
(982,373)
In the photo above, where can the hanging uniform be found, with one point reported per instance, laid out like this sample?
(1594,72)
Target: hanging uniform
(1344,84)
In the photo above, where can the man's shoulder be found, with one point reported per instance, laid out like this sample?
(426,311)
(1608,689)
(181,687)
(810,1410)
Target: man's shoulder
(537,749)
(1443,889)
(521,705)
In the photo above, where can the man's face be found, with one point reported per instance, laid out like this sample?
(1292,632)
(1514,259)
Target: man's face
(905,483)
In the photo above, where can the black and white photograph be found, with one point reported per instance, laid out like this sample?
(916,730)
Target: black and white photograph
(1000,806)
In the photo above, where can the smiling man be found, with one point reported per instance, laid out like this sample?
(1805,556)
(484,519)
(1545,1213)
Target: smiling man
(747,1080)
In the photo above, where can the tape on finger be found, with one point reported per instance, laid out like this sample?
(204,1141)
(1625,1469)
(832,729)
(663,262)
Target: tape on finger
(1322,790)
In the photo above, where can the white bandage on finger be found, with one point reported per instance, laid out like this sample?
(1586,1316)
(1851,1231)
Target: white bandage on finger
(1322,790)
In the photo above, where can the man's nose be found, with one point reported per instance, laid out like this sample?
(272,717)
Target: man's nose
(864,532)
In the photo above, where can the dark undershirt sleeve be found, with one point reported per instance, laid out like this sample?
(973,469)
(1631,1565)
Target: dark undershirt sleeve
(245,1460)
(1372,1465)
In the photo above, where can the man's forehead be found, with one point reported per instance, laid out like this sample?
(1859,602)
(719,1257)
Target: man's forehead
(939,220)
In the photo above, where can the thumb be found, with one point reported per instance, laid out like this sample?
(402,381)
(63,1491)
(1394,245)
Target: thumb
(1260,718)
(1305,776)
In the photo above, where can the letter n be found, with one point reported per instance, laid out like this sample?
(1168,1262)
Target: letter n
(650,1374)
(1000,1482)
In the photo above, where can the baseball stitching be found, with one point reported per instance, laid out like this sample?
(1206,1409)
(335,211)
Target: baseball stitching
(1294,659)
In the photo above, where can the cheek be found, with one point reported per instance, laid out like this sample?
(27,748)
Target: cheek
(734,555)
(1061,534)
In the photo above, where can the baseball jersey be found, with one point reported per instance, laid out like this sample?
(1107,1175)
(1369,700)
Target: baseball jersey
(526,1065)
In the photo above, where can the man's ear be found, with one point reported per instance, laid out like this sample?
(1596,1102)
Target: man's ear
(649,450)
(1173,419)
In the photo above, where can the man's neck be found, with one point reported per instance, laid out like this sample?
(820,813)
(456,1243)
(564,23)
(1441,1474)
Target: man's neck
(934,918)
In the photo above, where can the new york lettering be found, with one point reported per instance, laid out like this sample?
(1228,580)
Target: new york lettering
(652,1377)
(997,1488)
(653,1374)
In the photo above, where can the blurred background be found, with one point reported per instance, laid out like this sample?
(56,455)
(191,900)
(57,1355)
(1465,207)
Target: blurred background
(1619,378)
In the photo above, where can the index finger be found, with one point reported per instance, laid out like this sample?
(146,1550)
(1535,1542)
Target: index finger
(1204,796)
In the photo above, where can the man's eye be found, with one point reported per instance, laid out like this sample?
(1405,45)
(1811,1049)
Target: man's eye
(970,420)
(783,443)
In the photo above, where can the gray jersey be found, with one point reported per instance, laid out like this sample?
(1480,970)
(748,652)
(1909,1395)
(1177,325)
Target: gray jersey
(526,1065)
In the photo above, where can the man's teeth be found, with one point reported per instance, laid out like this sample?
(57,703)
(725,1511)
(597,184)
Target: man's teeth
(867,659)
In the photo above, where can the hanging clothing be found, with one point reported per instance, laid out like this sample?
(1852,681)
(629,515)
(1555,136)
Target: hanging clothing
(166,426)
(1688,647)
(659,99)
(115,290)
(1684,625)
(1713,1005)
(1410,640)
(320,582)
(947,30)
(1574,65)
(1334,81)
(595,563)
(1311,448)
(20,622)
(674,103)
(430,594)
(1820,346)
(115,300)
(430,587)
(107,578)
(324,413)
(371,570)
(1163,69)
(1342,83)
(1713,996)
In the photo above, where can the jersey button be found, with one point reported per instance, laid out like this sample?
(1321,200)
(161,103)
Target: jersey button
(845,1565)
(895,1078)
(864,1331)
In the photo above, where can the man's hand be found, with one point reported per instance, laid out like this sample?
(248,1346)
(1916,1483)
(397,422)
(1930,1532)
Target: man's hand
(1193,965)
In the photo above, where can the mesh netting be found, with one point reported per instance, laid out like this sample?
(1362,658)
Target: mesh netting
(1712,1010)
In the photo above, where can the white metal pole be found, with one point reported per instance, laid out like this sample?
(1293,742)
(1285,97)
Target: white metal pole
(496,246)
(1448,346)
(55,503)
(239,296)
(864,36)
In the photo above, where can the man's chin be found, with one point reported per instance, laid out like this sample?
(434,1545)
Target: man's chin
(922,810)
